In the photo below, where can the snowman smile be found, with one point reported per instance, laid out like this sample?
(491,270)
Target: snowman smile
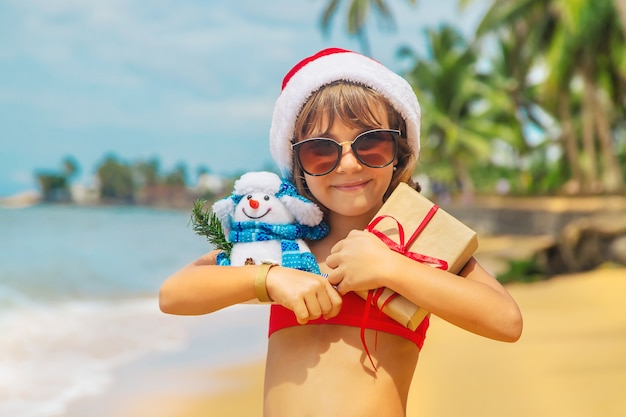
(255,217)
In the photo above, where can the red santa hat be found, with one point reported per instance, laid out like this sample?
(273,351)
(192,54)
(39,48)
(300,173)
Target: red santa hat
(323,68)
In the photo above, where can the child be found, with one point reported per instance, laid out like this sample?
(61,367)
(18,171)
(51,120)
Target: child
(345,130)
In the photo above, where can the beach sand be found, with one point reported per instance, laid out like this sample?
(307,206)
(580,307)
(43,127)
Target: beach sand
(570,361)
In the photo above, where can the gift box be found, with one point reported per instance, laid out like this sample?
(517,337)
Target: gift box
(411,224)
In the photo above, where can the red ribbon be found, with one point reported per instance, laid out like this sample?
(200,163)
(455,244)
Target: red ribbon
(402,248)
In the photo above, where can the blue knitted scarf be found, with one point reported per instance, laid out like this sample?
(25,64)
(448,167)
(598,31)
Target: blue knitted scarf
(255,231)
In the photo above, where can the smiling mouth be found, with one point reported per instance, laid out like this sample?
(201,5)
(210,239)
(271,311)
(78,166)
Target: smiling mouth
(352,186)
(255,217)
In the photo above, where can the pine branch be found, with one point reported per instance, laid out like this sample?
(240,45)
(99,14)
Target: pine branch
(205,223)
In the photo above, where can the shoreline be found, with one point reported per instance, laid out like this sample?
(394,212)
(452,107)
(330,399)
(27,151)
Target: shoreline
(547,203)
(161,383)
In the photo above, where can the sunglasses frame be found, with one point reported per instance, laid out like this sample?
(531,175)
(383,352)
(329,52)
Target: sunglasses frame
(395,134)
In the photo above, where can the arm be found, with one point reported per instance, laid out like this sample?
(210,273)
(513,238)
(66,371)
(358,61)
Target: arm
(203,287)
(472,300)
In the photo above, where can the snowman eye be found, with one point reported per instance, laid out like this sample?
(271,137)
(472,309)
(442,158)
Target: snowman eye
(266,198)
(249,196)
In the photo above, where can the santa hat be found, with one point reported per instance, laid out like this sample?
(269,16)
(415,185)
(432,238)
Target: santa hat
(323,68)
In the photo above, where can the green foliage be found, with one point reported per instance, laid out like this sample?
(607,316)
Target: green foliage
(70,166)
(119,181)
(54,187)
(116,180)
(147,172)
(526,271)
(176,178)
(205,223)
(357,14)
(457,134)
(537,71)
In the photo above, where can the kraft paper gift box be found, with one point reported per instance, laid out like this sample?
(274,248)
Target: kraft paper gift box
(416,227)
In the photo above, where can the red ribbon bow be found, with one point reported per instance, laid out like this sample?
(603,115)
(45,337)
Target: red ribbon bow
(402,248)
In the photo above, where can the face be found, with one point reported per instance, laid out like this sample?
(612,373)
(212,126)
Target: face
(351,188)
(258,206)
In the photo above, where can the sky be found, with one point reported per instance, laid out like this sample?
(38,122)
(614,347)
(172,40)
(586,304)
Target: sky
(184,81)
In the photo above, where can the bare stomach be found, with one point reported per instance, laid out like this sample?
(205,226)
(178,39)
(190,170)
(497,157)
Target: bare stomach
(322,370)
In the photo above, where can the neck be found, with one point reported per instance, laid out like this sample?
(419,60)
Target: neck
(341,225)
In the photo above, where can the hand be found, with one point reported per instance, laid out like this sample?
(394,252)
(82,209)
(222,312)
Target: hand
(359,262)
(309,296)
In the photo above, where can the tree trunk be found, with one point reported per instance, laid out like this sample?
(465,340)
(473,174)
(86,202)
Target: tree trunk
(613,175)
(569,142)
(620,6)
(589,158)
(465,180)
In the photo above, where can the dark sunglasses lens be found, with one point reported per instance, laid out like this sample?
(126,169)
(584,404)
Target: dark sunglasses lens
(318,156)
(376,149)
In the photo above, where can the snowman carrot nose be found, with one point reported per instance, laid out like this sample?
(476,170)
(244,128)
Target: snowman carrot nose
(253,203)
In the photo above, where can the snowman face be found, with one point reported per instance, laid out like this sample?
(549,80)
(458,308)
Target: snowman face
(262,207)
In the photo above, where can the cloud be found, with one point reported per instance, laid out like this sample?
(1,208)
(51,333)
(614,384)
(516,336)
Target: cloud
(159,77)
(201,43)
(116,61)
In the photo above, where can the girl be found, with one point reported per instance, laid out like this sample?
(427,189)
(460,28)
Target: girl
(345,130)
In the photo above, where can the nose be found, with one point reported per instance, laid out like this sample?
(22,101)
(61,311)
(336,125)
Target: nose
(348,161)
(253,203)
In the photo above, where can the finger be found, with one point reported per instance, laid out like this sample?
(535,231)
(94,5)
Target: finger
(341,288)
(336,302)
(301,312)
(324,299)
(313,307)
(334,277)
(332,261)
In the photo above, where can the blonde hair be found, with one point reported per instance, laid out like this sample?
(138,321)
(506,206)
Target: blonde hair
(352,104)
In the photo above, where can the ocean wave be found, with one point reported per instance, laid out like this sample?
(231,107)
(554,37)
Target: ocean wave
(78,306)
(53,354)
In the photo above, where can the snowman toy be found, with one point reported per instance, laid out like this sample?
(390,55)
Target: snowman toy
(267,221)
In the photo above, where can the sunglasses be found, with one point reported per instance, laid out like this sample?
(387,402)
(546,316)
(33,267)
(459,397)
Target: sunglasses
(320,156)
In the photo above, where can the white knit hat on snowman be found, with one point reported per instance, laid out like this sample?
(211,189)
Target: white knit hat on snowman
(323,68)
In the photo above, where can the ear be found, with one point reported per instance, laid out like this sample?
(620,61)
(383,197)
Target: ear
(305,212)
(224,210)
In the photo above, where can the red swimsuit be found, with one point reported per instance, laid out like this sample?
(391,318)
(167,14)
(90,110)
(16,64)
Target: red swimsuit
(351,314)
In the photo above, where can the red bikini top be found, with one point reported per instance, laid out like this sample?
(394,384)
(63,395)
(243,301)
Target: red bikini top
(352,314)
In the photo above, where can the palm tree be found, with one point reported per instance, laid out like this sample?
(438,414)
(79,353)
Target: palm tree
(457,130)
(357,15)
(521,30)
(148,172)
(70,167)
(577,52)
(116,180)
(579,44)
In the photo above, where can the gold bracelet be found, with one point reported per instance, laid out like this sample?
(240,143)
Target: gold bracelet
(260,287)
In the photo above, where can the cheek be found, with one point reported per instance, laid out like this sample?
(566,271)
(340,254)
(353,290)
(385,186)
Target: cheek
(384,175)
(314,185)
(319,189)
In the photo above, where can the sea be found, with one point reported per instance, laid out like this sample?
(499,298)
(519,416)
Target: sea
(79,309)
